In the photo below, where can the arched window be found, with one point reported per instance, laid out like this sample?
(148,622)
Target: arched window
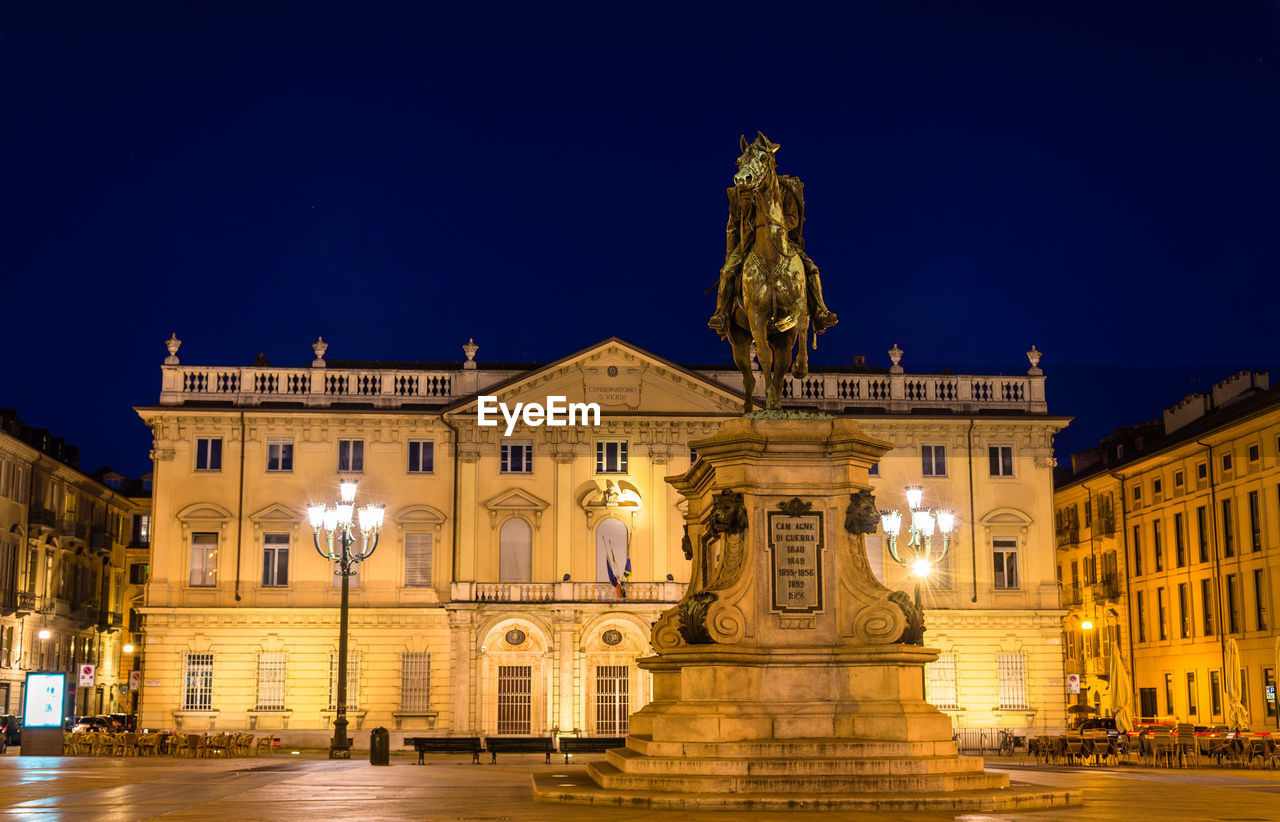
(515,551)
(611,549)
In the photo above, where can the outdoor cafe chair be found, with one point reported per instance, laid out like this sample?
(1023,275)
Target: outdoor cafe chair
(266,743)
(1163,746)
(1073,747)
(1188,746)
(148,744)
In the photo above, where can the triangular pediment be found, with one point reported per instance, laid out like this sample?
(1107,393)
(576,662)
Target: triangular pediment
(277,514)
(622,379)
(516,499)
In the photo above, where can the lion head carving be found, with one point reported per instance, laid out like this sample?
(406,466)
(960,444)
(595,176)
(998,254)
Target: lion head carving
(728,514)
(862,516)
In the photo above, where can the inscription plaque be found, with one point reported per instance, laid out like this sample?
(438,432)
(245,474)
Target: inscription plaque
(795,555)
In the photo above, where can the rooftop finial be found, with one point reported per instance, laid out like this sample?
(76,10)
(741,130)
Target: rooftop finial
(895,356)
(1034,356)
(470,350)
(319,346)
(173,344)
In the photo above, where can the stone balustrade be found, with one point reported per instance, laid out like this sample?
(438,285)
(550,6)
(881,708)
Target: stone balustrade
(565,592)
(396,387)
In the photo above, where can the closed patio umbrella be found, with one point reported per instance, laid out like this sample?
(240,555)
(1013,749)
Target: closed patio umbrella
(1237,713)
(1121,695)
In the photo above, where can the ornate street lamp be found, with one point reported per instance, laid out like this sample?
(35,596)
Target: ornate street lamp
(335,542)
(920,535)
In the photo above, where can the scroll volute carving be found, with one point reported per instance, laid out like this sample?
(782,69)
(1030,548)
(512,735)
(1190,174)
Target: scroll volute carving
(870,614)
(717,545)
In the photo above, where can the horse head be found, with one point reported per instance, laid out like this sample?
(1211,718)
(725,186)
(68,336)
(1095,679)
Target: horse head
(757,163)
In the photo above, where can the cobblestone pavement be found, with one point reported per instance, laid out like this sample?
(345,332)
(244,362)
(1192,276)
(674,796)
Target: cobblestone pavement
(313,789)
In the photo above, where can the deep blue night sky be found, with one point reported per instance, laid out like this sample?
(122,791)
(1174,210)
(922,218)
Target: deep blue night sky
(1097,179)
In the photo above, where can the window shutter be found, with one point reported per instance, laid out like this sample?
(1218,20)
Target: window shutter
(417,560)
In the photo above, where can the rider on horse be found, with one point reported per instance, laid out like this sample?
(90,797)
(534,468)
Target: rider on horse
(738,238)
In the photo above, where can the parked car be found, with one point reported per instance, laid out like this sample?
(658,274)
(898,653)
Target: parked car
(95,724)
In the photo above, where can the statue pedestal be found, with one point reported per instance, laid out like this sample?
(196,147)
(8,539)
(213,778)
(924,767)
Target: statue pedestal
(785,677)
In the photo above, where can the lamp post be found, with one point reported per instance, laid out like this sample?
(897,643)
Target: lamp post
(335,541)
(920,535)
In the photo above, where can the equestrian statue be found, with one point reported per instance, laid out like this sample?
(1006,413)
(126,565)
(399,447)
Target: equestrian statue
(770,291)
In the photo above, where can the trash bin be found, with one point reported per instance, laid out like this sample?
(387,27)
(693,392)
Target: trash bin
(380,747)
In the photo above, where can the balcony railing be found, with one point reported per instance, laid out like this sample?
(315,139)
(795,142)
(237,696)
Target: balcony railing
(393,387)
(565,592)
(73,528)
(1068,536)
(87,615)
(39,515)
(98,538)
(110,620)
(1107,587)
(1072,595)
(18,603)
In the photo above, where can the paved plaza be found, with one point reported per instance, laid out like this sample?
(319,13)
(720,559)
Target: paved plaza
(310,787)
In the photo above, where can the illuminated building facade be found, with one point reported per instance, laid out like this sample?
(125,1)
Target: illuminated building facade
(64,599)
(1169,546)
(493,603)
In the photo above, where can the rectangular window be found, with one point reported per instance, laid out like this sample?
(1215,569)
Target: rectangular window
(933,460)
(351,456)
(353,680)
(1202,470)
(1168,693)
(1012,671)
(1157,488)
(1215,692)
(613,700)
(517,457)
(1233,604)
(138,573)
(208,453)
(204,560)
(1162,631)
(1184,610)
(1206,605)
(271,680)
(1179,480)
(611,457)
(422,456)
(1255,523)
(1137,493)
(873,471)
(1005,551)
(515,699)
(1228,535)
(415,682)
(417,560)
(1157,546)
(1226,463)
(1192,709)
(279,455)
(1260,599)
(940,682)
(1088,513)
(197,694)
(1179,541)
(1000,460)
(275,560)
(1137,551)
(1254,453)
(1202,533)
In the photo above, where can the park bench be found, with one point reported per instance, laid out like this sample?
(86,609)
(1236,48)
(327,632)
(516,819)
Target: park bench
(518,744)
(446,744)
(570,745)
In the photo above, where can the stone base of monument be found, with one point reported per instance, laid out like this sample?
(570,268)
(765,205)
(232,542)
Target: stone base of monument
(788,676)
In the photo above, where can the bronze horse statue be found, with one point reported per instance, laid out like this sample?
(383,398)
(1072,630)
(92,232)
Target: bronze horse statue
(773,311)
